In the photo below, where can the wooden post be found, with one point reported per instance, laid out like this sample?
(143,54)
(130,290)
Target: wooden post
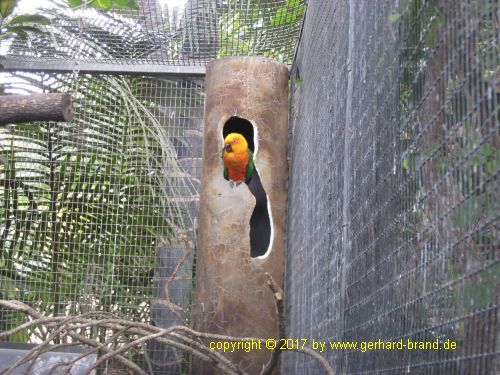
(248,95)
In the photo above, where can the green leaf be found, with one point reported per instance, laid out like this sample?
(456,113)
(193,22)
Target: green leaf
(129,4)
(28,18)
(18,30)
(283,16)
(301,9)
(29,127)
(255,14)
(6,7)
(102,4)
(292,3)
(26,29)
(74,3)
(408,163)
(488,74)
(394,17)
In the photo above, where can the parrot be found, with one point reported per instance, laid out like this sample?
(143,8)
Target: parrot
(238,160)
(239,167)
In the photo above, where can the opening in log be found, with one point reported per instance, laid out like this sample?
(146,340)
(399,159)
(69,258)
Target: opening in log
(260,222)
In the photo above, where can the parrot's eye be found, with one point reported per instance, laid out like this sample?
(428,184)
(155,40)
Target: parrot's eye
(235,141)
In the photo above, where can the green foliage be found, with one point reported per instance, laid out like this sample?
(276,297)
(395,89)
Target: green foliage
(286,15)
(27,18)
(473,209)
(85,204)
(104,4)
(6,7)
(481,292)
(451,175)
(230,38)
(22,25)
(87,210)
(246,31)
(408,162)
(394,17)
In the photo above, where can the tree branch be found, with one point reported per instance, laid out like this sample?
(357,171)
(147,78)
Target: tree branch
(180,337)
(15,109)
(280,310)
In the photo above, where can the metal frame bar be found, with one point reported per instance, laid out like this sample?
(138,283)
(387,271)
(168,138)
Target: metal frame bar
(67,66)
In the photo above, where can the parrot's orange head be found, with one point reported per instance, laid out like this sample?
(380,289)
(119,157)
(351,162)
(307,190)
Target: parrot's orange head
(235,142)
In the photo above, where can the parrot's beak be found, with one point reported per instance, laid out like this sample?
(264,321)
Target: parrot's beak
(228,148)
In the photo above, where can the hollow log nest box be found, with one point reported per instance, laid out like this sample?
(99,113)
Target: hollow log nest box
(242,228)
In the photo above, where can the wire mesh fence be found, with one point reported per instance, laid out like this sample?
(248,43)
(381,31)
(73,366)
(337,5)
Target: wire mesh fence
(97,214)
(189,32)
(393,198)
(393,230)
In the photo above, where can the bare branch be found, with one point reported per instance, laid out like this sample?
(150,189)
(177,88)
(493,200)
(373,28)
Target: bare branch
(280,311)
(311,353)
(180,337)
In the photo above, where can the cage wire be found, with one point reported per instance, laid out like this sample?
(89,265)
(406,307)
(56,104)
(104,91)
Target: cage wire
(182,32)
(393,230)
(99,215)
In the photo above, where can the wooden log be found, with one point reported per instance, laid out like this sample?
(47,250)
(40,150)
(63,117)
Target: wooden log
(232,297)
(16,109)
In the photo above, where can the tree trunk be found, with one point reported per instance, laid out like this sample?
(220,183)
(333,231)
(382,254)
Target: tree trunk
(15,109)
